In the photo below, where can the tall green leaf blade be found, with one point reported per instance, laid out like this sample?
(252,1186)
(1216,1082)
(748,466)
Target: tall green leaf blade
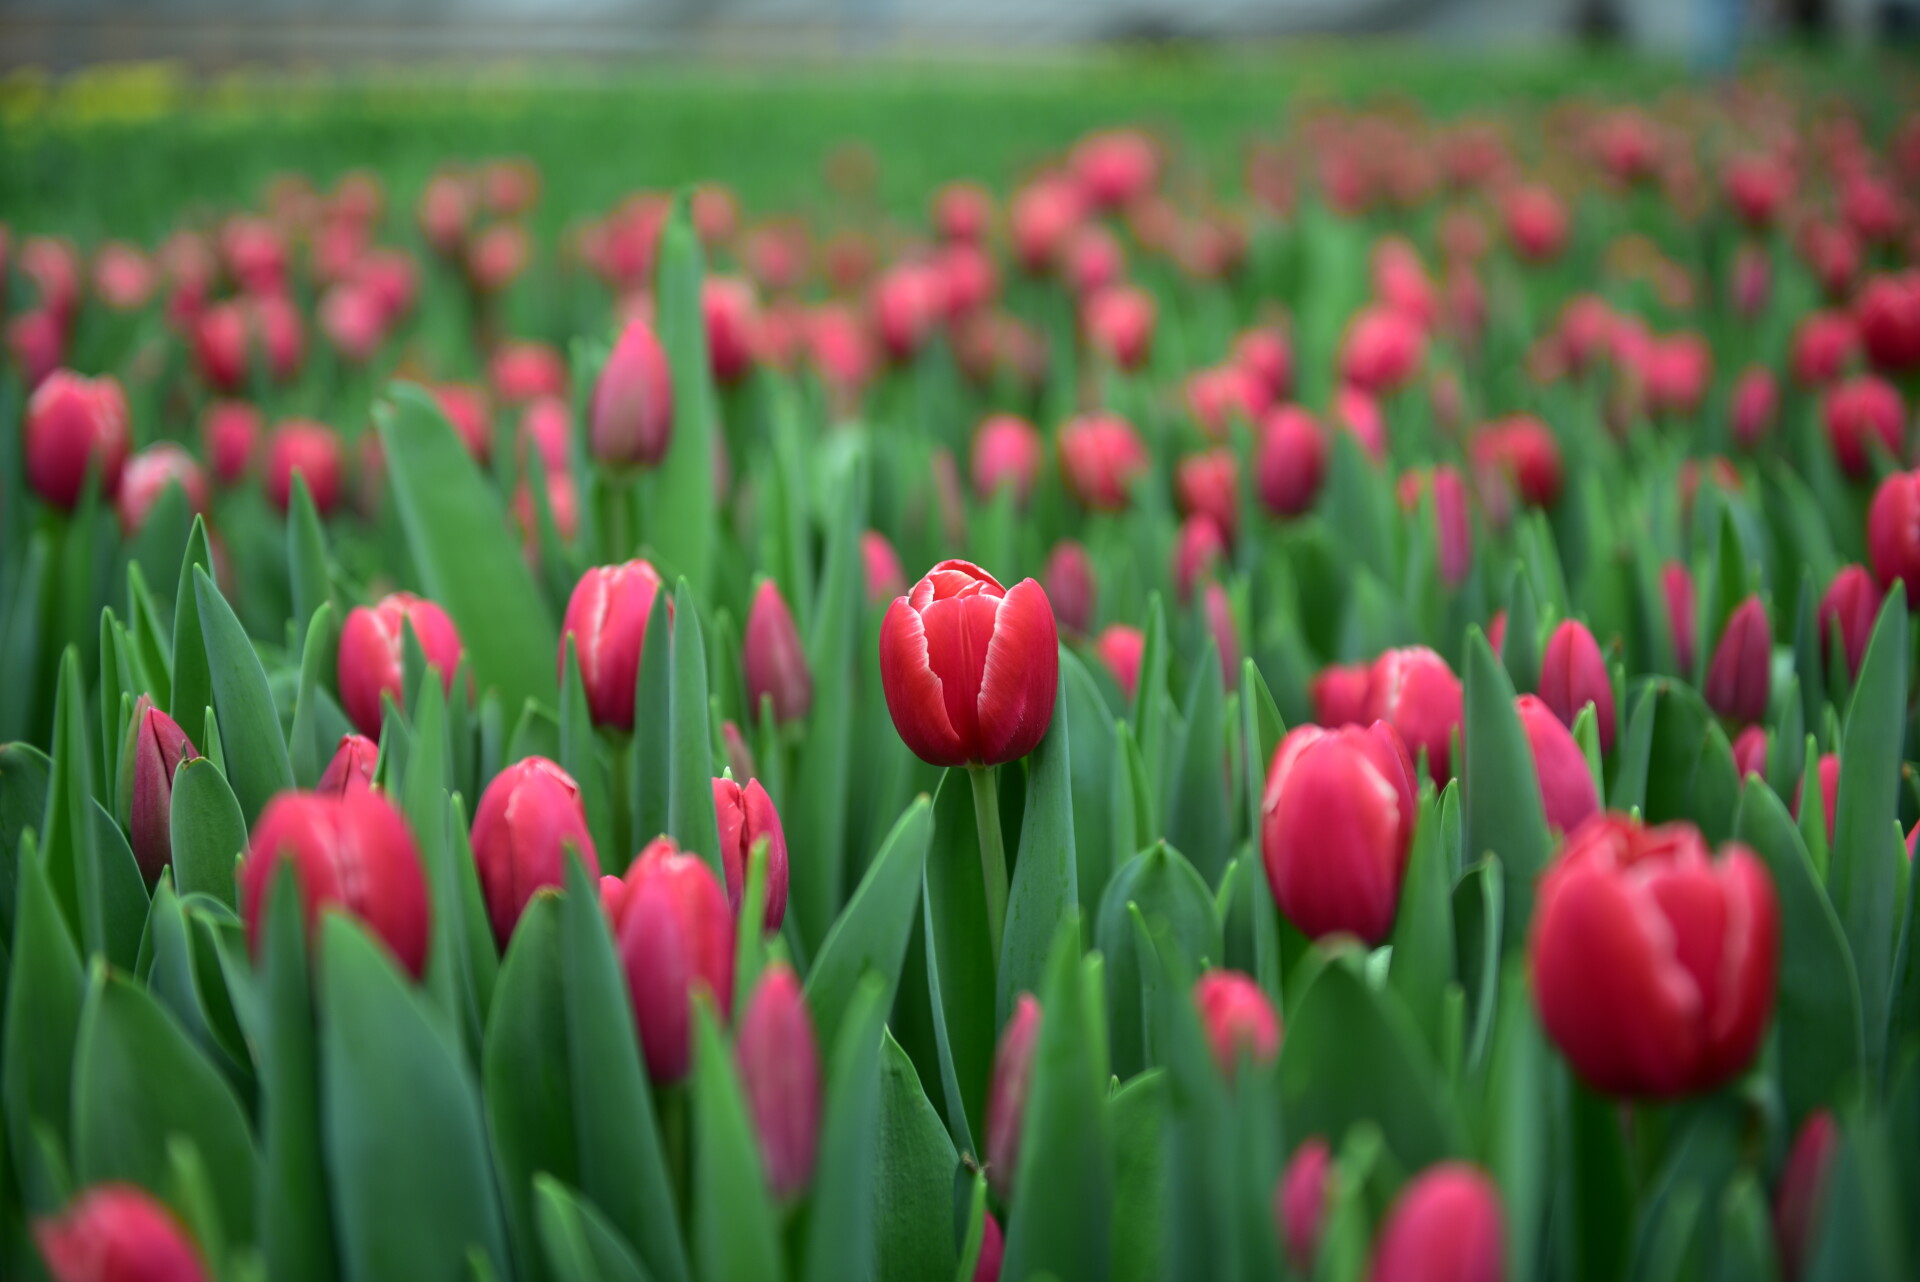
(682,525)
(208,831)
(243,703)
(296,1229)
(872,934)
(913,1183)
(1503,808)
(45,987)
(960,962)
(840,1226)
(192,681)
(690,814)
(1044,892)
(735,1235)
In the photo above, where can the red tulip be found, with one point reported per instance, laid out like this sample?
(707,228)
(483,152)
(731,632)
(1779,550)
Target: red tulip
(74,423)
(1857,413)
(1300,1202)
(1237,1019)
(522,371)
(1757,186)
(1006,451)
(1445,1226)
(774,659)
(311,449)
(1573,673)
(780,1073)
(1208,484)
(465,407)
(970,668)
(1043,214)
(1115,167)
(159,745)
(1676,585)
(1357,412)
(1382,350)
(1824,347)
(231,431)
(674,931)
(1336,820)
(746,815)
(1750,751)
(630,418)
(1536,221)
(1222,395)
(1852,601)
(1400,280)
(969,280)
(1893,532)
(354,321)
(38,342)
(986,1267)
(1070,584)
(1197,553)
(908,301)
(122,276)
(1266,354)
(118,1233)
(1120,647)
(1119,322)
(1518,457)
(1803,1189)
(371,645)
(607,619)
(885,578)
(528,815)
(1652,962)
(1756,403)
(1291,461)
(1888,313)
(352,765)
(962,211)
(1217,610)
(1102,457)
(149,474)
(1413,690)
(352,852)
(1092,259)
(546,428)
(1007,1093)
(1740,677)
(1567,789)
(1827,768)
(1339,692)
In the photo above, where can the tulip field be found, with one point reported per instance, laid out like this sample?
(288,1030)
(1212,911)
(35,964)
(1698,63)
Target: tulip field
(1126,672)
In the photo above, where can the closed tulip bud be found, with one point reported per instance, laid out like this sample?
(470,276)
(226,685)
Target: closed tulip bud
(74,423)
(38,342)
(159,746)
(1756,403)
(1536,221)
(1071,588)
(1802,1192)
(351,767)
(775,661)
(780,1072)
(630,418)
(1266,354)
(1007,1093)
(311,449)
(746,815)
(1357,413)
(1120,647)
(1517,458)
(118,1233)
(1224,395)
(1197,553)
(1567,789)
(465,407)
(1413,690)
(371,642)
(986,1267)
(675,931)
(1300,1202)
(1757,185)
(1858,414)
(1752,281)
(1382,350)
(908,301)
(1006,451)
(970,668)
(149,474)
(231,431)
(1888,313)
(1676,586)
(1750,751)
(1339,692)
(1827,770)
(1044,214)
(607,619)
(522,371)
(1452,524)
(885,579)
(528,816)
(1740,677)
(1119,323)
(1092,259)
(1336,820)
(1893,533)
(1291,460)
(1217,609)
(1102,457)
(1852,603)
(1653,963)
(1573,673)
(962,211)
(1208,484)
(352,852)
(1825,345)
(1237,1019)
(1445,1224)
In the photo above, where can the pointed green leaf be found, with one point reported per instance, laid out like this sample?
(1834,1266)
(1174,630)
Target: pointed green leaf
(1502,794)
(208,831)
(249,723)
(840,1227)
(913,1182)
(872,934)
(735,1235)
(1044,892)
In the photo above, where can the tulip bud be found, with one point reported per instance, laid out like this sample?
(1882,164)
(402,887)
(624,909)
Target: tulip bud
(1452,525)
(1573,673)
(885,579)
(231,432)
(1752,281)
(1859,412)
(1071,589)
(522,371)
(1852,602)
(775,661)
(1339,692)
(674,931)
(1888,312)
(1292,460)
(1413,690)
(1265,353)
(465,408)
(1740,677)
(1209,484)
(311,449)
(1336,821)
(780,1071)
(1828,771)
(962,211)
(371,642)
(1102,457)
(352,852)
(1536,221)
(351,767)
(1197,553)
(746,815)
(993,1247)
(1676,585)
(1802,1191)
(1893,532)
(1566,785)
(1007,1093)
(528,815)
(1217,610)
(607,619)
(1445,1224)
(1300,1202)
(149,474)
(159,746)
(1517,457)
(630,418)
(1825,345)
(1750,751)
(38,341)
(1382,350)
(1756,403)
(1043,214)
(1237,1019)
(1006,451)
(1653,963)
(118,1233)
(73,423)
(970,668)
(1119,321)
(907,303)
(1120,647)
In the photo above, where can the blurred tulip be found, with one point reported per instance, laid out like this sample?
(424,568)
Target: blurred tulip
(1237,1019)
(1802,1191)
(1006,451)
(1825,346)
(311,449)
(1858,413)
(1382,350)
(1674,374)
(1750,751)
(118,1233)
(1827,771)
(1573,673)
(1092,259)
(74,424)
(1266,354)
(1567,790)
(1120,647)
(1102,458)
(630,418)
(774,658)
(1300,1203)
(158,747)
(1071,586)
(1518,458)
(1893,533)
(1357,412)
(1740,677)
(1757,186)
(962,211)
(1340,692)
(149,474)
(465,407)
(1888,314)
(1413,690)
(546,425)
(354,321)
(986,1267)
(732,319)
(1198,550)
(745,815)
(529,814)
(1291,461)
(1446,1226)
(908,301)
(780,1075)
(1222,395)
(371,650)
(497,257)
(523,371)
(1217,610)
(1756,404)
(230,432)
(38,343)
(1007,1093)
(1676,585)
(674,933)
(607,621)
(885,578)
(1119,324)
(1752,281)
(1851,602)
(1043,214)
(351,766)
(1536,222)
(1114,167)
(1208,484)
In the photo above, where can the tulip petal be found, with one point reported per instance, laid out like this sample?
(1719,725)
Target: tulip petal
(915,698)
(1020,676)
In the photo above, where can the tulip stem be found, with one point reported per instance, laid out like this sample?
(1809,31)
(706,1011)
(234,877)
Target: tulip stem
(993,851)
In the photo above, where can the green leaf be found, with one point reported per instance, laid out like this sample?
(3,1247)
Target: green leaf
(208,831)
(1862,1224)
(243,703)
(682,523)
(959,961)
(735,1235)
(306,557)
(1199,818)
(1423,948)
(1261,731)
(1747,1250)
(1149,719)
(841,1222)
(1516,1111)
(192,681)
(1520,647)
(650,777)
(423,796)
(1137,1120)
(872,933)
(118,889)
(1595,1187)
(578,1243)
(67,832)
(310,744)
(1093,759)
(1501,791)
(45,985)
(296,1231)
(1044,892)
(1633,756)
(690,816)
(1171,897)
(464,548)
(580,754)
(913,1180)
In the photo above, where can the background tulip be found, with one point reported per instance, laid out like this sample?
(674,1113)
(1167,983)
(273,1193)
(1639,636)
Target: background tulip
(1802,1191)
(1300,1202)
(149,474)
(1413,690)
(351,766)
(1071,588)
(1827,771)
(1102,458)
(527,818)
(630,417)
(774,658)
(1291,460)
(1120,647)
(1446,1224)
(1893,532)
(675,932)
(1237,1019)
(311,449)
(1567,789)
(73,423)
(118,1233)
(371,645)
(1858,414)
(159,746)
(231,432)
(1740,678)
(1676,585)
(1750,751)
(745,815)
(780,1071)
(607,621)
(1007,1093)
(1006,451)
(885,578)
(1573,673)
(1851,606)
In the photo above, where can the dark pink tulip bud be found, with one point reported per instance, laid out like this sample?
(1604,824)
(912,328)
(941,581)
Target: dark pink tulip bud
(1852,601)
(73,422)
(1292,460)
(371,644)
(1825,346)
(563,501)
(1043,214)
(445,210)
(1357,413)
(1447,1225)
(1750,751)
(1102,457)
(122,276)
(908,301)
(231,432)
(1536,222)
(1238,1020)
(523,370)
(1336,820)
(969,279)
(1006,451)
(147,476)
(53,265)
(1566,785)
(630,419)
(352,852)
(885,578)
(354,321)
(1740,677)
(1267,355)
(1339,692)
(38,343)
(1676,585)
(311,449)
(1888,313)
(1828,771)
(1115,167)
(780,1071)
(118,1233)
(1223,395)
(1803,1188)
(1120,647)
(739,755)
(1217,609)
(159,746)
(1382,350)
(716,213)
(1893,532)
(1752,281)
(1007,1093)
(1401,281)
(745,815)
(993,1248)
(1208,484)
(1092,259)
(1119,322)
(528,816)
(1859,412)
(775,661)
(1757,186)
(1300,1202)
(1071,586)
(732,317)
(351,767)
(675,931)
(1453,528)
(1413,690)
(962,211)
(497,257)
(1756,403)
(1573,673)
(1497,632)
(970,668)
(465,407)
(1197,553)
(1517,458)
(607,619)
(546,427)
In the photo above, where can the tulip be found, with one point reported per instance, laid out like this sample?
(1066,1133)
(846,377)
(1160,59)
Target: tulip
(908,301)
(311,449)
(38,342)
(371,644)
(1756,403)
(1752,281)
(1536,222)
(1518,457)
(1856,414)
(885,579)
(1573,673)
(1291,461)
(1400,280)
(1102,457)
(231,431)
(1824,347)
(1197,553)
(149,474)
(780,1074)
(1007,1093)
(464,406)
(1237,1019)
(674,932)
(607,621)
(1652,962)
(1300,1202)
(1043,214)
(1006,451)
(1382,350)
(1357,412)
(1827,769)
(746,815)
(1120,647)
(1888,314)
(1223,395)
(1414,691)
(353,852)
(1676,585)
(1208,484)
(351,767)
(528,816)
(1446,1224)
(354,321)
(962,211)
(774,659)
(1339,692)
(1266,354)
(1453,529)
(1567,790)
(1336,820)
(1851,603)
(1757,186)
(73,424)
(1217,609)
(630,418)
(1070,584)
(1115,167)
(1119,322)
(1740,677)
(522,371)
(1092,259)
(1802,1191)
(739,756)
(157,747)
(969,281)
(118,1233)
(1750,751)
(986,1267)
